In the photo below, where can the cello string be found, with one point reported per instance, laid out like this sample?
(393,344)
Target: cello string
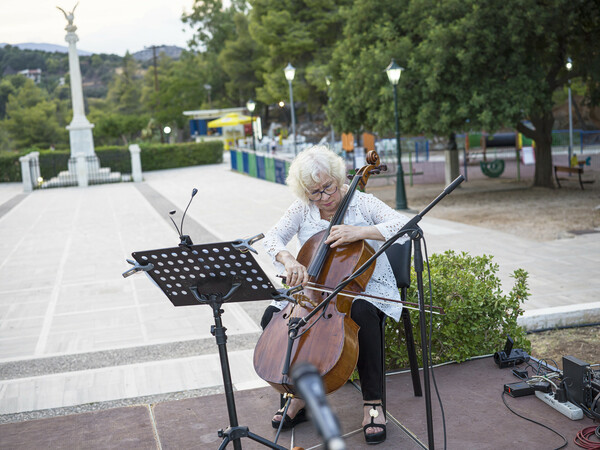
(318,260)
(409,305)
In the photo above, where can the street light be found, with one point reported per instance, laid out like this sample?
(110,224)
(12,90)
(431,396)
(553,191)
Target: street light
(166,130)
(251,105)
(290,72)
(569,66)
(393,72)
(208,88)
(328,82)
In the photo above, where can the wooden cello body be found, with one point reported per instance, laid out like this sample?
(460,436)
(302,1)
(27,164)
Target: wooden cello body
(330,339)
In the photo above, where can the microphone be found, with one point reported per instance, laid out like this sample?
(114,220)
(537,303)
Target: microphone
(184,240)
(174,224)
(310,386)
(194,192)
(459,179)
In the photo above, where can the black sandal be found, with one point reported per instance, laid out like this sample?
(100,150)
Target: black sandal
(289,423)
(380,436)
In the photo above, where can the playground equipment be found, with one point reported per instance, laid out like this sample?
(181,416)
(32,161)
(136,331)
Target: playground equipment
(494,167)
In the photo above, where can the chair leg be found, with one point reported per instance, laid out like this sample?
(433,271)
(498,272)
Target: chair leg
(410,348)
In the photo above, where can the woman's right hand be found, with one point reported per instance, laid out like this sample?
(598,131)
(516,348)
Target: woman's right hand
(295,273)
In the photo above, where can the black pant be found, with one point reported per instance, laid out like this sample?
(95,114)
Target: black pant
(370,353)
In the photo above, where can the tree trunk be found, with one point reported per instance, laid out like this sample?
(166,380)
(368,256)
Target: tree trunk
(542,135)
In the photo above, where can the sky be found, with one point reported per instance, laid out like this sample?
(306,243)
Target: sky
(103,26)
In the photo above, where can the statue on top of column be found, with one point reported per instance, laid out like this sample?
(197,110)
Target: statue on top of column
(70,17)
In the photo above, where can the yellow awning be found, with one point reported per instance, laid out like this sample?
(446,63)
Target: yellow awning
(230,119)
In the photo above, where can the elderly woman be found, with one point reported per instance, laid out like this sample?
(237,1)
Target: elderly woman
(317,177)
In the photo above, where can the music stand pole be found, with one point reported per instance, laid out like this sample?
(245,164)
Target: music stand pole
(416,237)
(234,432)
(218,331)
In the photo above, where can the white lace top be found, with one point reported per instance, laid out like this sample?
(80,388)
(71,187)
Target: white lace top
(364,210)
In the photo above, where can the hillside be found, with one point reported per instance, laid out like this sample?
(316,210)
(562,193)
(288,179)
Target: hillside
(50,48)
(96,69)
(147,54)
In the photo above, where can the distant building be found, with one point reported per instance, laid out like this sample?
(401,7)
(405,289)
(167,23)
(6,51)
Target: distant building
(32,74)
(199,119)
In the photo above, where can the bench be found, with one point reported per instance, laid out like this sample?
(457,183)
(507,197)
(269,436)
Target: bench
(577,170)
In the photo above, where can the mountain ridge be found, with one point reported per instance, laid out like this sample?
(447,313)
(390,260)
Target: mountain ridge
(172,51)
(45,47)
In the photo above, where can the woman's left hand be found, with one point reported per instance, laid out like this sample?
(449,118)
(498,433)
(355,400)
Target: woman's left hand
(344,234)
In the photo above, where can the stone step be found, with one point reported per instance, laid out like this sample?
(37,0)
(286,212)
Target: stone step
(122,356)
(130,381)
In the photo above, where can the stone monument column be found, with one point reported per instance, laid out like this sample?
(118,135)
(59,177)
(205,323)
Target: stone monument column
(80,129)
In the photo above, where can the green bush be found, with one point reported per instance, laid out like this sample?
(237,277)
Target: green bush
(153,156)
(169,156)
(10,167)
(52,162)
(478,314)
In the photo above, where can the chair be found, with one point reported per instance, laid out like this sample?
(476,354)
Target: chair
(399,256)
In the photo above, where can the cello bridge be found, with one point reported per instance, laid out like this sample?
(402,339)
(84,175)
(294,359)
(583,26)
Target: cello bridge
(305,302)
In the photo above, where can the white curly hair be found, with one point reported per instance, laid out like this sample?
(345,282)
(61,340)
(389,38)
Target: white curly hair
(310,166)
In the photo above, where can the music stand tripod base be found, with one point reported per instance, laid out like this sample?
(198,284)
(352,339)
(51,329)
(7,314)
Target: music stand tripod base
(212,274)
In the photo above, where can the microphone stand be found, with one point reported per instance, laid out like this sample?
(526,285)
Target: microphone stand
(416,235)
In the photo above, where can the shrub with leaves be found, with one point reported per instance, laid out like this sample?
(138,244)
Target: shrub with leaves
(153,156)
(478,316)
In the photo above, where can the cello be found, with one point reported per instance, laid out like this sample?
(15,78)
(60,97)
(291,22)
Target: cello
(329,340)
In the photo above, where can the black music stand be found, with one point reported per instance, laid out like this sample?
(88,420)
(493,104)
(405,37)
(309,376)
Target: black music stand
(211,274)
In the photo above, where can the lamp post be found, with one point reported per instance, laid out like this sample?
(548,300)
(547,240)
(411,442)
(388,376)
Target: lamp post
(290,72)
(569,66)
(328,82)
(251,105)
(393,72)
(208,88)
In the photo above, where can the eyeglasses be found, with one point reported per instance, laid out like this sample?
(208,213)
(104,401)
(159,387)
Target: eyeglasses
(317,195)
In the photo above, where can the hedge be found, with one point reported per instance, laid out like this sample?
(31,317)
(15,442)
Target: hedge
(153,156)
(478,317)
(10,167)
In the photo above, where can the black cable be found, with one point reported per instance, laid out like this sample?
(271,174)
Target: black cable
(537,423)
(437,392)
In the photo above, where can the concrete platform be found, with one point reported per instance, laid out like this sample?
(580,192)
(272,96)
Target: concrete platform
(475,415)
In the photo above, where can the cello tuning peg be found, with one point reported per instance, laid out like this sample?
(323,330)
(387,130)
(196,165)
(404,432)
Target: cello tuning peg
(383,167)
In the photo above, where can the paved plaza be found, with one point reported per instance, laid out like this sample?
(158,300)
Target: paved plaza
(74,332)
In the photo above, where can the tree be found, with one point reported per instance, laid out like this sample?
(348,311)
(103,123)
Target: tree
(32,118)
(480,66)
(499,68)
(240,60)
(109,126)
(301,33)
(361,96)
(8,85)
(125,89)
(180,87)
(213,23)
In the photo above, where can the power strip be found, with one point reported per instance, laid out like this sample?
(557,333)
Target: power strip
(567,408)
